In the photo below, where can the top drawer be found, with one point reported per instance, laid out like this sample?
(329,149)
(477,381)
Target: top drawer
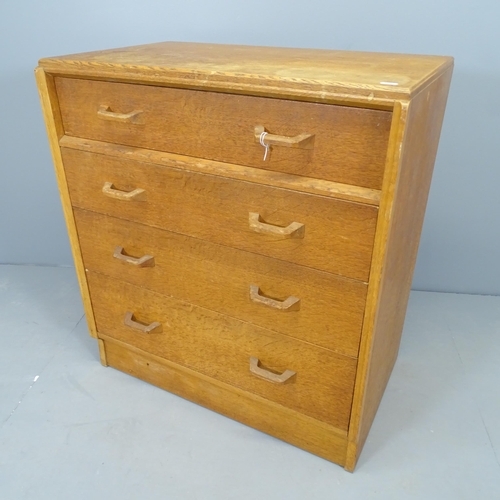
(349,144)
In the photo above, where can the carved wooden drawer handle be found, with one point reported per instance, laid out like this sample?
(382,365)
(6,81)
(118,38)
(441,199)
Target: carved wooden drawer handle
(267,375)
(136,195)
(144,261)
(301,141)
(129,321)
(294,230)
(105,113)
(290,304)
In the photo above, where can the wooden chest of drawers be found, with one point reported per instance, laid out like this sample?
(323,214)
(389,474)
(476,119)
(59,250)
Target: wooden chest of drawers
(245,221)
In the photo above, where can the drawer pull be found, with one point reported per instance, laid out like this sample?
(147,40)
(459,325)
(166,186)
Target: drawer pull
(268,375)
(106,114)
(301,141)
(294,230)
(136,195)
(144,261)
(129,321)
(290,304)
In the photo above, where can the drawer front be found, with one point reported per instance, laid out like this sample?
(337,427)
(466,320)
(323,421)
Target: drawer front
(274,419)
(337,236)
(221,347)
(328,312)
(349,144)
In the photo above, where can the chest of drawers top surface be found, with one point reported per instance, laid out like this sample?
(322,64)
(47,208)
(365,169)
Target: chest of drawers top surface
(260,70)
(245,221)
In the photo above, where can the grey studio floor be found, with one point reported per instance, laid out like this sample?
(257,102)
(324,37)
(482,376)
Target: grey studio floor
(72,429)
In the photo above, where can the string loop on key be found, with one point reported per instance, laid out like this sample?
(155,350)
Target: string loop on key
(262,143)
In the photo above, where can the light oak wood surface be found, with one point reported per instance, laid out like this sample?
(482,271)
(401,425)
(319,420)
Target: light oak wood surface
(219,278)
(349,147)
(221,347)
(361,78)
(53,123)
(249,219)
(338,235)
(269,417)
(408,178)
(299,183)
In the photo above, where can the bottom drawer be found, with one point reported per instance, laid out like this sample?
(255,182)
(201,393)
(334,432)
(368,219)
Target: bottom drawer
(307,433)
(222,347)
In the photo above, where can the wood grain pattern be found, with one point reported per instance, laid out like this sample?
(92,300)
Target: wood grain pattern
(300,430)
(403,205)
(349,147)
(53,123)
(360,78)
(102,352)
(221,347)
(219,278)
(338,235)
(276,179)
(183,123)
